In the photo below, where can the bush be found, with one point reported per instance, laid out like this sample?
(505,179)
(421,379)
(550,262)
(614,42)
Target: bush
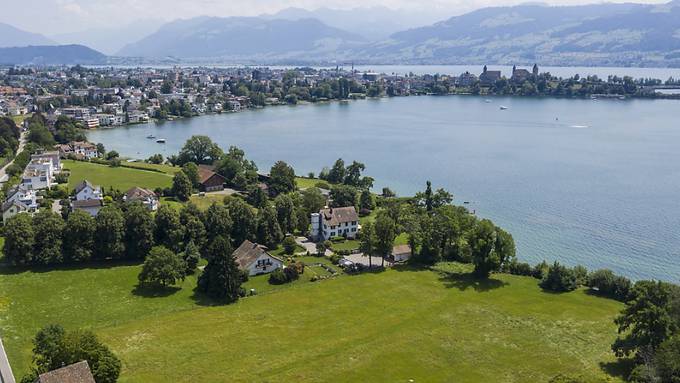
(322,185)
(338,239)
(291,273)
(61,178)
(289,245)
(559,279)
(519,268)
(540,270)
(609,284)
(278,277)
(335,259)
(581,274)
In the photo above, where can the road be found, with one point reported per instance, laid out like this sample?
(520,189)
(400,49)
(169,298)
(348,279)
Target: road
(22,144)
(6,375)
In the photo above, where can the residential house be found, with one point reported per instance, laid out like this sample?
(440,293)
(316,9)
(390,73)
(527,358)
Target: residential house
(400,253)
(209,180)
(147,197)
(87,191)
(254,259)
(73,373)
(335,222)
(19,199)
(36,179)
(90,206)
(80,149)
(52,156)
(12,208)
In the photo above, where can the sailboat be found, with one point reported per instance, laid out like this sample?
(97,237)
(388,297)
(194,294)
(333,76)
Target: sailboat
(504,107)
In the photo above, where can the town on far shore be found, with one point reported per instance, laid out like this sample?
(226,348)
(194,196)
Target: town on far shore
(111,96)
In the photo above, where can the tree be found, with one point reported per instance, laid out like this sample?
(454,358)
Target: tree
(78,237)
(19,240)
(385,233)
(343,196)
(199,150)
(48,227)
(302,221)
(667,360)
(282,178)
(268,229)
(366,202)
(285,213)
(190,169)
(646,320)
(217,222)
(156,159)
(53,348)
(289,245)
(244,220)
(191,256)
(109,233)
(610,285)
(181,186)
(257,197)
(221,279)
(484,255)
(162,267)
(138,231)
(388,193)
(337,173)
(559,279)
(168,229)
(367,241)
(353,174)
(313,200)
(321,248)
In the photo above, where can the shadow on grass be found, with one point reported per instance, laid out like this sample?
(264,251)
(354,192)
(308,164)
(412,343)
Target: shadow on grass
(154,291)
(201,299)
(466,281)
(7,269)
(620,368)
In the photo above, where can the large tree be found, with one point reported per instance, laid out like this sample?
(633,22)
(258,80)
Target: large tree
(285,213)
(244,220)
(367,242)
(483,245)
(221,278)
(199,150)
(53,348)
(337,172)
(343,195)
(353,174)
(109,233)
(162,267)
(190,169)
(168,230)
(48,227)
(78,236)
(181,186)
(217,221)
(647,320)
(282,178)
(385,233)
(313,200)
(19,239)
(138,231)
(268,230)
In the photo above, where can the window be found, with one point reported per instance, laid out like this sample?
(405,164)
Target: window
(332,234)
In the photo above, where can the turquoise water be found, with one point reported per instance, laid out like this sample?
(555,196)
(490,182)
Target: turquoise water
(584,182)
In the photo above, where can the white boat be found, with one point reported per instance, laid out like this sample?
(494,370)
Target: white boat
(150,136)
(161,140)
(504,107)
(487,101)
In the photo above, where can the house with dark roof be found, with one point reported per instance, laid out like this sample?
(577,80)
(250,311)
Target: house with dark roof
(73,373)
(335,222)
(147,197)
(208,180)
(254,259)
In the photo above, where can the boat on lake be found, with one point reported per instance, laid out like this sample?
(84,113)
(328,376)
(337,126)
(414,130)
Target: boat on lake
(150,136)
(504,107)
(161,140)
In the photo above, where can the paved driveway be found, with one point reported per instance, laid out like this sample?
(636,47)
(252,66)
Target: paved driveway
(5,370)
(310,246)
(363,259)
(22,143)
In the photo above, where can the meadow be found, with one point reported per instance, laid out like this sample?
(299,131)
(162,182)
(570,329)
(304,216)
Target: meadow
(121,178)
(425,325)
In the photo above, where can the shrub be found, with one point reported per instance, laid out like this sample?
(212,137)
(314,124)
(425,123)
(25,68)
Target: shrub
(278,277)
(519,268)
(322,185)
(291,273)
(540,270)
(581,274)
(335,259)
(609,284)
(338,239)
(61,178)
(289,245)
(559,279)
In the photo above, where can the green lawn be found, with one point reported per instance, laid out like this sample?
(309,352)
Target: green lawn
(393,326)
(204,202)
(304,183)
(168,169)
(119,177)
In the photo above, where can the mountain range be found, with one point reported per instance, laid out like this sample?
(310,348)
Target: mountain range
(51,55)
(600,34)
(14,37)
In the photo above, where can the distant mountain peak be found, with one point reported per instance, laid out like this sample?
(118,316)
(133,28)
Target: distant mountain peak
(11,36)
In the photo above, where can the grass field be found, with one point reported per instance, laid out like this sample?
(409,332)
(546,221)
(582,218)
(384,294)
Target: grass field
(394,326)
(119,177)
(168,169)
(304,183)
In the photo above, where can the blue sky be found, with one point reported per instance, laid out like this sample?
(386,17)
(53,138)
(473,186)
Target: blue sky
(62,16)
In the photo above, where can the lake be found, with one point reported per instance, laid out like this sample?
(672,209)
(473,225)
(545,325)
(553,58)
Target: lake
(579,181)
